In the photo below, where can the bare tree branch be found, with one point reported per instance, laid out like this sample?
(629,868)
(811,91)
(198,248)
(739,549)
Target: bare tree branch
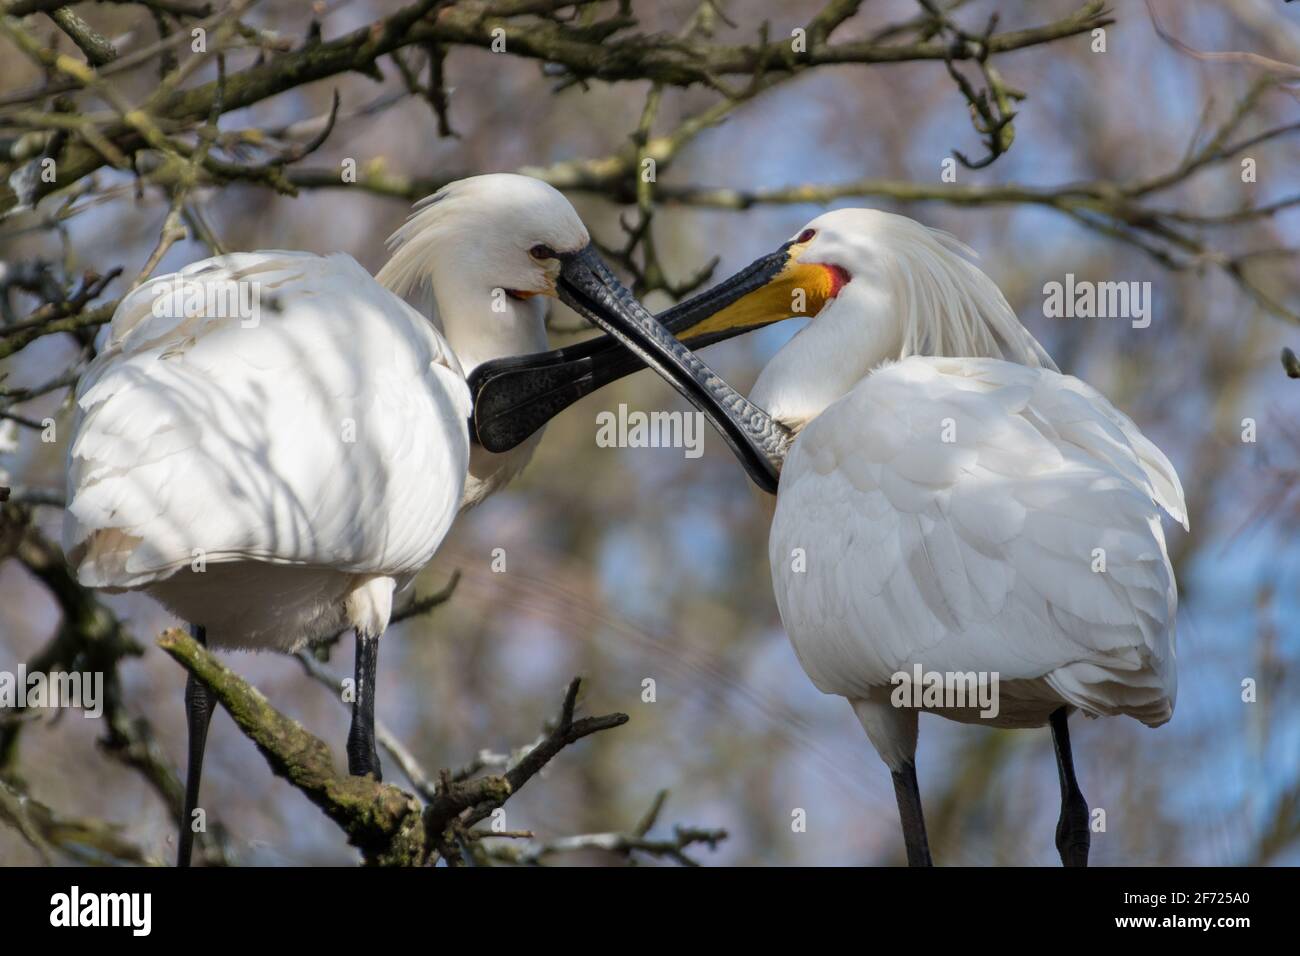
(388,826)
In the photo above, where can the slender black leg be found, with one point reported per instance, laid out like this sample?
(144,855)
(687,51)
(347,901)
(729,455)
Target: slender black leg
(1072,831)
(199,704)
(909,812)
(362,756)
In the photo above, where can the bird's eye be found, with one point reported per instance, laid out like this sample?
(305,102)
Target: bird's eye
(542,251)
(806,235)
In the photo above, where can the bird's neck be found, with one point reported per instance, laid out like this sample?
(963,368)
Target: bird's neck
(479,331)
(482,328)
(828,357)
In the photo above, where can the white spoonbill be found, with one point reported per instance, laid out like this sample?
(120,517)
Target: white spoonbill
(272,443)
(950,507)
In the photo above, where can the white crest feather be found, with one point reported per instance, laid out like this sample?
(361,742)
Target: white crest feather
(952,308)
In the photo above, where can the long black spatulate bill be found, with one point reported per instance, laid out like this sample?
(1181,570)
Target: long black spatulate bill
(759,443)
(515,396)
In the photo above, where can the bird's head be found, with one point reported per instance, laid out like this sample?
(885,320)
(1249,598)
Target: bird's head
(489,251)
(905,287)
(483,238)
(805,274)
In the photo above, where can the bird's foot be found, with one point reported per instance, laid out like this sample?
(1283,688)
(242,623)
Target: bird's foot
(1073,840)
(364,760)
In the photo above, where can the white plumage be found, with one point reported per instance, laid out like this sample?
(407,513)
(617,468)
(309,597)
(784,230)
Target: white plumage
(272,443)
(309,461)
(952,493)
(952,512)
(978,553)
(292,460)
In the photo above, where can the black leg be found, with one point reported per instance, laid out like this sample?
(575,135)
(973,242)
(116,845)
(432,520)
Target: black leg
(1072,831)
(199,704)
(362,756)
(909,812)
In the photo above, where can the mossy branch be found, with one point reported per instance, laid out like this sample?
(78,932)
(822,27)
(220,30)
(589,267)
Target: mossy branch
(380,820)
(388,825)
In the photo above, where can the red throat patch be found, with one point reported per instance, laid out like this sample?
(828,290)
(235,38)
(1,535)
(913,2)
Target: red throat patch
(839,279)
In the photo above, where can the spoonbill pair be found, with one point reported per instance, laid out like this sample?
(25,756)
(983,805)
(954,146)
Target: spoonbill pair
(272,443)
(945,501)
(276,477)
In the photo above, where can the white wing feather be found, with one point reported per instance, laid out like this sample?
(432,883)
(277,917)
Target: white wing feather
(977,554)
(198,433)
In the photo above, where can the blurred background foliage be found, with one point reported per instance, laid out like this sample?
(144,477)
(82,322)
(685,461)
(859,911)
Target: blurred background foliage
(631,564)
